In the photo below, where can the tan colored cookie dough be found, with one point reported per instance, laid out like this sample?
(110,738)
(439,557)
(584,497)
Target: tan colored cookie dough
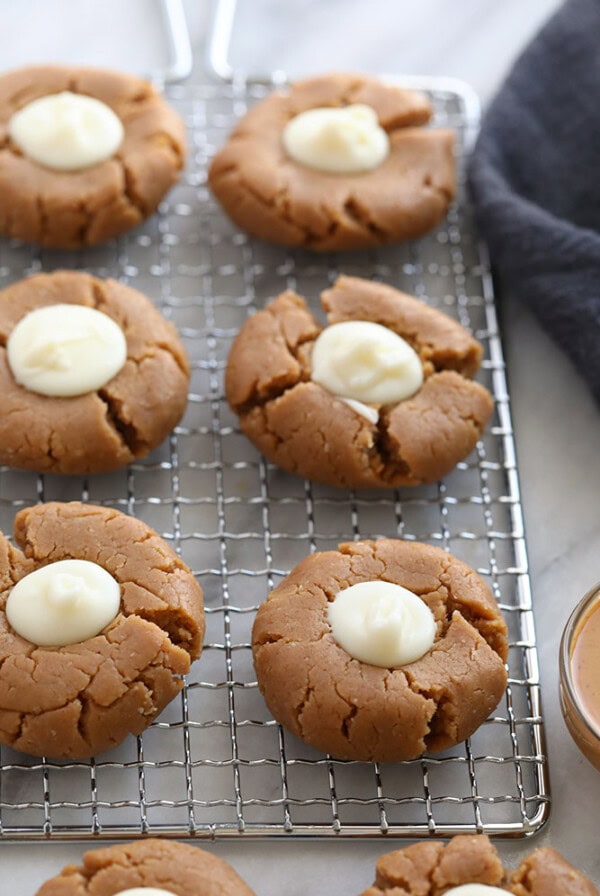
(75,701)
(546,873)
(357,711)
(103,430)
(179,868)
(269,195)
(71,209)
(431,869)
(307,430)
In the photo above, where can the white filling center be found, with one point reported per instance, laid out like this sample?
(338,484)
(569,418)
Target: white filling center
(381,623)
(346,140)
(365,362)
(63,603)
(66,131)
(476,890)
(65,350)
(144,891)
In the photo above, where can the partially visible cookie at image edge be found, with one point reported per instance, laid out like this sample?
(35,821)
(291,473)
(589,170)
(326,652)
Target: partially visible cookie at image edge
(70,209)
(85,697)
(178,868)
(107,428)
(431,868)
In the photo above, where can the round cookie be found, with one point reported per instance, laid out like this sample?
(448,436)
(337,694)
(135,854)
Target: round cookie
(75,701)
(431,869)
(354,710)
(178,868)
(305,429)
(271,196)
(102,430)
(71,209)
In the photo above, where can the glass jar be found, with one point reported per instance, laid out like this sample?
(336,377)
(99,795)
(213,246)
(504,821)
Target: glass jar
(583,728)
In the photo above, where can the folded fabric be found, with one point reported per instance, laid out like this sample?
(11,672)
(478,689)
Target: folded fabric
(535,178)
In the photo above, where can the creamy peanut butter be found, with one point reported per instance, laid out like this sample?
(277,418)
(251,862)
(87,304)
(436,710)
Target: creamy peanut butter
(580,676)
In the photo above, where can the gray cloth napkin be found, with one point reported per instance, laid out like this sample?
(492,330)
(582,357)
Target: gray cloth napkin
(535,178)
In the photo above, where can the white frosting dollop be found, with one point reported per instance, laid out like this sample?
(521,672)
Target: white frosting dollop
(66,131)
(476,890)
(65,350)
(366,362)
(364,410)
(63,603)
(144,891)
(344,140)
(381,623)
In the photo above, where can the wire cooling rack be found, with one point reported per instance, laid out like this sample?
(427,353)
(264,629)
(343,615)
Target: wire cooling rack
(215,764)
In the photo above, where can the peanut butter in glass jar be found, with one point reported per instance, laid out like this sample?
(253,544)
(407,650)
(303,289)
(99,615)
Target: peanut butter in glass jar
(580,675)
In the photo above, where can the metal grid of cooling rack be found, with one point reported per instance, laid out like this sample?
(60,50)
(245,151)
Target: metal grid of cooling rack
(215,764)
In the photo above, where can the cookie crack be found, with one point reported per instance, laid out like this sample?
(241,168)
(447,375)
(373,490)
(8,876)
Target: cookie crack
(123,428)
(151,353)
(84,707)
(272,432)
(439,190)
(471,420)
(346,726)
(359,215)
(485,622)
(523,878)
(386,460)
(51,452)
(165,139)
(15,738)
(289,640)
(151,349)
(98,296)
(130,194)
(42,216)
(278,386)
(301,707)
(177,632)
(280,201)
(310,237)
(440,724)
(431,871)
(301,339)
(426,694)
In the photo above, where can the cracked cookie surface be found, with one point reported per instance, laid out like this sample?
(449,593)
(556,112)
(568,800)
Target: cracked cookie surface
(74,701)
(304,429)
(431,869)
(354,710)
(179,868)
(103,430)
(269,195)
(71,209)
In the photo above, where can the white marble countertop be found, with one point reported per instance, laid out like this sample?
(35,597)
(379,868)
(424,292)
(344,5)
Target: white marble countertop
(556,422)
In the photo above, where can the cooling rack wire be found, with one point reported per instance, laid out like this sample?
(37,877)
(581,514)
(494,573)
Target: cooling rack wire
(215,764)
